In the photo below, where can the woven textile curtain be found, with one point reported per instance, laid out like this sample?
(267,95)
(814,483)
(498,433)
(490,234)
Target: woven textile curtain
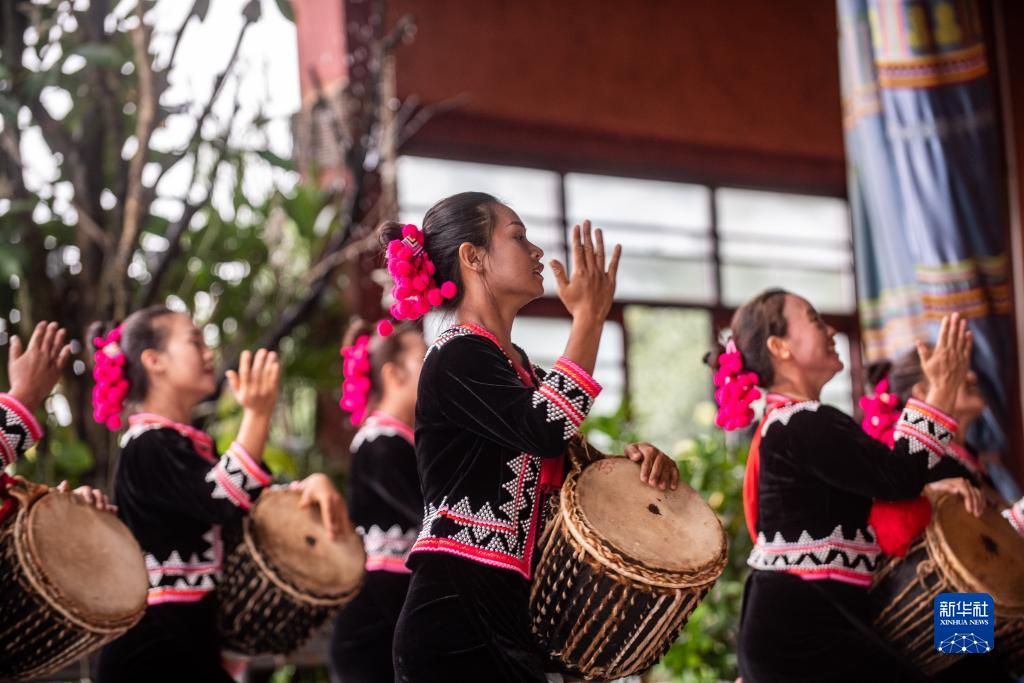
(926,190)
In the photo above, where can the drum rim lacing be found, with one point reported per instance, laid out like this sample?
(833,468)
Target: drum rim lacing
(273,573)
(616,560)
(36,575)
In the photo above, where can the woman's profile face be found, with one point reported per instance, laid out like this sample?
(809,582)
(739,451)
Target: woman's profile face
(811,341)
(185,364)
(512,264)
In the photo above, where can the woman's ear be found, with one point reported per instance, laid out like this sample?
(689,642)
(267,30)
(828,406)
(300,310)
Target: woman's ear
(152,361)
(471,257)
(778,347)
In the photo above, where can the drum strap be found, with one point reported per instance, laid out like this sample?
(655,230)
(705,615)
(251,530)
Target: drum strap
(908,669)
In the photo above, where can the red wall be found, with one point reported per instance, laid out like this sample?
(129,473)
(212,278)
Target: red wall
(754,81)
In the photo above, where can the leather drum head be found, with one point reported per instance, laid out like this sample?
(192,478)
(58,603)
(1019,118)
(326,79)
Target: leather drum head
(296,543)
(986,551)
(89,556)
(670,530)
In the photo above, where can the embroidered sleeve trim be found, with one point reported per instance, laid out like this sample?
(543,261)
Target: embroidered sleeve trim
(934,414)
(19,429)
(235,476)
(249,464)
(926,429)
(581,377)
(1015,516)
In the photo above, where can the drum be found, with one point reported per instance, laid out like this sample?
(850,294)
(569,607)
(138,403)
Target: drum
(622,566)
(72,578)
(958,553)
(285,578)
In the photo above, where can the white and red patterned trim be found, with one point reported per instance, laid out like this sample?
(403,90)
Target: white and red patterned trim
(378,424)
(19,429)
(569,392)
(178,580)
(387,551)
(236,475)
(926,428)
(1015,516)
(482,535)
(834,557)
(782,408)
(143,422)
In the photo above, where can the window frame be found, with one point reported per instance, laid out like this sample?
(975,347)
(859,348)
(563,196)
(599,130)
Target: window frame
(720,313)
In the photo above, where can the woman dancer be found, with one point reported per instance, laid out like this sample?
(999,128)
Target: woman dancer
(385,503)
(491,431)
(811,476)
(183,503)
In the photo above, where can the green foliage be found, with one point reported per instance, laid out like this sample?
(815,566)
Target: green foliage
(66,458)
(706,648)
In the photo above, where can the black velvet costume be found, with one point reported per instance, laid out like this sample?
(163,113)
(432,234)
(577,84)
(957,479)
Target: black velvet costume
(184,505)
(805,604)
(386,507)
(490,444)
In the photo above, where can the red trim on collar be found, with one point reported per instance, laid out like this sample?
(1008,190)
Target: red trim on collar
(524,375)
(387,420)
(752,472)
(201,441)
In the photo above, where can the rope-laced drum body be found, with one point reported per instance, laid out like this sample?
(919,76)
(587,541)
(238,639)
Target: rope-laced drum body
(285,578)
(958,553)
(72,578)
(622,566)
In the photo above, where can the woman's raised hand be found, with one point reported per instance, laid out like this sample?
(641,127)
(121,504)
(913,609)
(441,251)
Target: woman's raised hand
(589,290)
(947,364)
(35,368)
(256,382)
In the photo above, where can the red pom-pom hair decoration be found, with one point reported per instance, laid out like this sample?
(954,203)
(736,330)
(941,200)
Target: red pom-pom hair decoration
(415,292)
(736,390)
(111,387)
(355,389)
(896,523)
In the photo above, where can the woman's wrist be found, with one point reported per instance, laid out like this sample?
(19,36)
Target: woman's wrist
(942,397)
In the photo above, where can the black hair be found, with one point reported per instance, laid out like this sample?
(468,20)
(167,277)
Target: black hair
(752,324)
(463,217)
(140,331)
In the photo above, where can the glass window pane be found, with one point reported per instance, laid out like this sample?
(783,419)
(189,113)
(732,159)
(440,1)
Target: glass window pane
(633,201)
(782,215)
(832,292)
(664,230)
(799,242)
(423,181)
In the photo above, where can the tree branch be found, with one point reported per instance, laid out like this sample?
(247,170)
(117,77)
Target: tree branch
(115,290)
(218,85)
(177,230)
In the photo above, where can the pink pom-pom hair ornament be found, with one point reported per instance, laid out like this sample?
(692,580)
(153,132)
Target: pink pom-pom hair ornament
(111,388)
(415,290)
(355,390)
(736,390)
(881,413)
(896,523)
